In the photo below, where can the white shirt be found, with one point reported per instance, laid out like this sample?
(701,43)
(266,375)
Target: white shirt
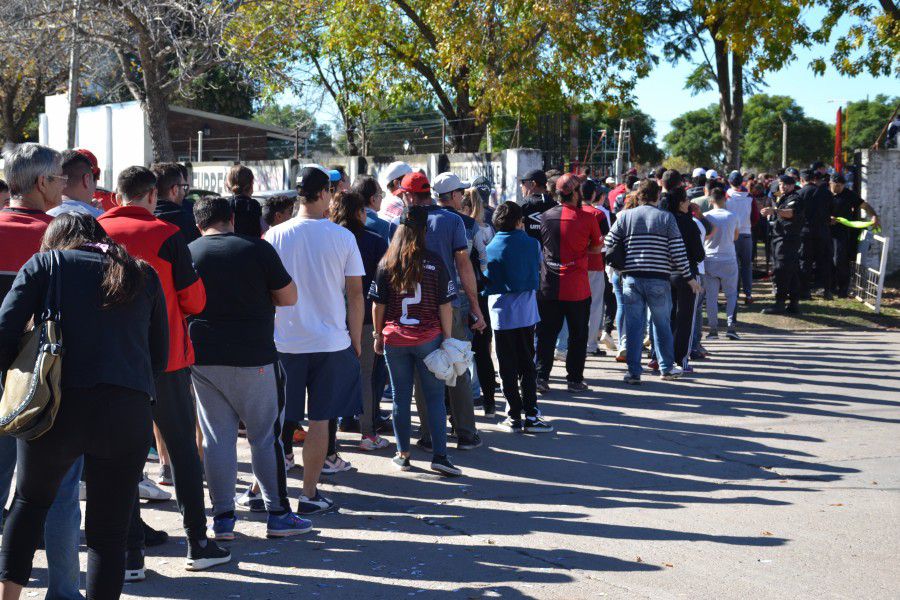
(391,207)
(70,205)
(702,229)
(740,203)
(318,254)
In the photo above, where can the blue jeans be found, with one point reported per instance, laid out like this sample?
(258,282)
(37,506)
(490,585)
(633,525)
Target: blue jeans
(562,340)
(403,362)
(616,282)
(641,294)
(743,247)
(61,529)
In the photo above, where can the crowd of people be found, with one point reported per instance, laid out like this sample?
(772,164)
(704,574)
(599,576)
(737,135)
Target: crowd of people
(187,324)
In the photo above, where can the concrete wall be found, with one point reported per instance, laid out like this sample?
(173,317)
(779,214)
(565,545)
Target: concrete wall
(269,175)
(880,187)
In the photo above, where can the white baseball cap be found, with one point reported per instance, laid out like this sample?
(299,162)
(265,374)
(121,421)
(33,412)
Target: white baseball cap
(395,170)
(610,181)
(698,172)
(448,182)
(712,174)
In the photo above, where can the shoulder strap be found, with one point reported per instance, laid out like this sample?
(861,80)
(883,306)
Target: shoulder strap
(53,301)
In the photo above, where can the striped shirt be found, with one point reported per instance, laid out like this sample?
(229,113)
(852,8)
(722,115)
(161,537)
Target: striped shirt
(653,244)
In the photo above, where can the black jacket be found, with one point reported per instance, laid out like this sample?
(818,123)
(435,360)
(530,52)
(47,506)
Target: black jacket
(247,216)
(534,206)
(693,244)
(788,229)
(125,345)
(181,215)
(817,202)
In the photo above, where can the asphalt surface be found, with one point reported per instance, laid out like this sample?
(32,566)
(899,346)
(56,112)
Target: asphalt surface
(772,473)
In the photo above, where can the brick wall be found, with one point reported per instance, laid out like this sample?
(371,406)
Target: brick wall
(880,187)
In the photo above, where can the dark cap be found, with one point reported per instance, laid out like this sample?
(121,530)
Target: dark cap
(817,165)
(793,172)
(809,175)
(735,178)
(415,182)
(313,179)
(787,179)
(838,178)
(536,175)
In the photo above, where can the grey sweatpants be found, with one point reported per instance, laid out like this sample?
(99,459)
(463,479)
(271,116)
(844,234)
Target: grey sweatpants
(254,395)
(720,274)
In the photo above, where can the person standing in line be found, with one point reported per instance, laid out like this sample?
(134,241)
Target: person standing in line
(512,273)
(536,201)
(653,250)
(37,180)
(348,209)
(247,211)
(318,339)
(4,194)
(107,300)
(78,194)
(277,209)
(446,237)
(392,205)
(787,220)
(596,267)
(133,225)
(367,187)
(412,315)
(568,235)
(236,375)
(816,255)
(171,187)
(721,266)
(740,204)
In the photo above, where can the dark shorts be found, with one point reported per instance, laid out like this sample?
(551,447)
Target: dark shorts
(332,379)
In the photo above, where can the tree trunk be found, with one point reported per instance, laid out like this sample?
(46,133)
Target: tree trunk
(467,134)
(352,145)
(730,83)
(157,111)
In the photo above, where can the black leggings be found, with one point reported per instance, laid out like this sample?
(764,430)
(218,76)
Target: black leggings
(484,365)
(112,427)
(683,305)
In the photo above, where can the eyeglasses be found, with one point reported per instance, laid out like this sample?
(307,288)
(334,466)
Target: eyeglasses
(58,178)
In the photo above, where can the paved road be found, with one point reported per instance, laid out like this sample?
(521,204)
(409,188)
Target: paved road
(772,474)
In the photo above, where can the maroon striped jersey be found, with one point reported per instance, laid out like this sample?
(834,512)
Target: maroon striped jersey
(413,319)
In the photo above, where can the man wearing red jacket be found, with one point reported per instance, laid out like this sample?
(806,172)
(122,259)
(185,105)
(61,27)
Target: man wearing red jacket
(133,225)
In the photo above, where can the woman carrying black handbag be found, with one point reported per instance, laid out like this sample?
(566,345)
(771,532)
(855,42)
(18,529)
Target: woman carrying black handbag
(113,321)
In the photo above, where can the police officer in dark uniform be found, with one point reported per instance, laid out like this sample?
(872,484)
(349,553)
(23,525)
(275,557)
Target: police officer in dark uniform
(815,248)
(537,201)
(786,219)
(847,204)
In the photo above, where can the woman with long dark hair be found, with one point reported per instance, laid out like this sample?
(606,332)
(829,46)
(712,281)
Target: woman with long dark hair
(114,331)
(412,316)
(348,210)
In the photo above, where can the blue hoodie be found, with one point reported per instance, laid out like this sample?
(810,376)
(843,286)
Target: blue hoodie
(513,263)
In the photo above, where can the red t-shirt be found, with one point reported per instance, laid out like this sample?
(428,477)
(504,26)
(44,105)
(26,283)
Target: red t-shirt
(595,260)
(21,230)
(566,235)
(413,319)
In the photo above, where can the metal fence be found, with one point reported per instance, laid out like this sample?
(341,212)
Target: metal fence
(870,269)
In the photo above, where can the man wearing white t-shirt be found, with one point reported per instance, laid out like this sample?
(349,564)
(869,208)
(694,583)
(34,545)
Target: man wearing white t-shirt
(318,339)
(740,203)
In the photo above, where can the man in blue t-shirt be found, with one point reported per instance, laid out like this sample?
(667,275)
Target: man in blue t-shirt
(446,237)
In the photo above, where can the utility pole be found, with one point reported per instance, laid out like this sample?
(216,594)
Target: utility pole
(74,71)
(200,145)
(618,162)
(490,142)
(443,135)
(783,141)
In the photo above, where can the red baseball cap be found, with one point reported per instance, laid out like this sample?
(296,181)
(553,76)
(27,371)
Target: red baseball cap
(95,167)
(416,183)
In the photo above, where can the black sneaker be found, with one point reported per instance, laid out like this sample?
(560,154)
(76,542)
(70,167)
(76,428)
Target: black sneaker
(598,352)
(468,443)
(542,385)
(153,537)
(775,309)
(514,425)
(731,334)
(631,379)
(537,425)
(577,386)
(424,444)
(401,462)
(442,465)
(205,556)
(134,565)
(316,504)
(712,335)
(793,309)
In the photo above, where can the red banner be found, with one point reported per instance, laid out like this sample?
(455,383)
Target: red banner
(839,143)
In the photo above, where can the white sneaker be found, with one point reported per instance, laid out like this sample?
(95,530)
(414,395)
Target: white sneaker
(607,341)
(673,373)
(82,491)
(148,490)
(289,462)
(373,443)
(338,465)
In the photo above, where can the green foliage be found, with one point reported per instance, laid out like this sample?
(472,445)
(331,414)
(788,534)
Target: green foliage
(871,43)
(865,120)
(224,89)
(808,139)
(318,138)
(695,137)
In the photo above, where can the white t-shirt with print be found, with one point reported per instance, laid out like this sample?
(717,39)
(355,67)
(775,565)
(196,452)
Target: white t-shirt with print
(318,254)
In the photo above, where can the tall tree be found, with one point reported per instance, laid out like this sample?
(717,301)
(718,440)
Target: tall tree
(871,43)
(865,120)
(695,137)
(225,89)
(473,59)
(808,139)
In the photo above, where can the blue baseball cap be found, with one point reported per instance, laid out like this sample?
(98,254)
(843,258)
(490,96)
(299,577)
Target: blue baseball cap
(334,175)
